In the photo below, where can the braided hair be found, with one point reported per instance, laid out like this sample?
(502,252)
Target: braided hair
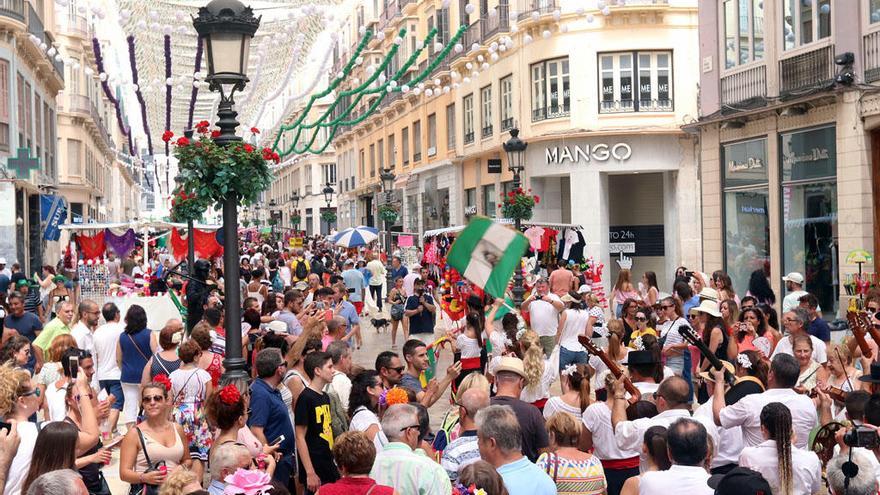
(776,418)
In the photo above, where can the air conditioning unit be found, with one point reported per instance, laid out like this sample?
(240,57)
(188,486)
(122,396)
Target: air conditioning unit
(432,151)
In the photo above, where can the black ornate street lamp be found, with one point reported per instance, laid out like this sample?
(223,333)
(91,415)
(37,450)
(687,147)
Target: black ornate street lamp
(328,197)
(226,28)
(294,199)
(190,242)
(272,219)
(516,155)
(387,176)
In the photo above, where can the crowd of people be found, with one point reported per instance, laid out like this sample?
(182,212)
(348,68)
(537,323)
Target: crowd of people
(560,395)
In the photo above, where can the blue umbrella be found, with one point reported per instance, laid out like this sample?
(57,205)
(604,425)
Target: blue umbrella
(356,236)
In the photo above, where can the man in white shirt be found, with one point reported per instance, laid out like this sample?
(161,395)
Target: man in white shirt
(783,376)
(544,308)
(794,284)
(105,342)
(84,330)
(377,278)
(597,419)
(672,399)
(687,444)
(340,353)
(410,279)
(730,443)
(796,322)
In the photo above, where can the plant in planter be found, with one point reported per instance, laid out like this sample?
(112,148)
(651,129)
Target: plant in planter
(209,173)
(388,213)
(273,221)
(329,216)
(185,207)
(295,220)
(245,223)
(518,204)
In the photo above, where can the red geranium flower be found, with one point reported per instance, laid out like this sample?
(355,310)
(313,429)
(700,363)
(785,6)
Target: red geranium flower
(254,130)
(183,141)
(537,199)
(167,135)
(276,157)
(248,148)
(215,134)
(202,127)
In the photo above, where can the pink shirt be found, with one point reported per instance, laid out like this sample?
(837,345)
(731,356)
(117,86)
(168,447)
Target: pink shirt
(560,281)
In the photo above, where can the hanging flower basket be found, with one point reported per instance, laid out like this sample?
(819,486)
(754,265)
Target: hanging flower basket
(388,213)
(295,220)
(211,172)
(518,204)
(185,207)
(329,216)
(256,222)
(273,221)
(244,223)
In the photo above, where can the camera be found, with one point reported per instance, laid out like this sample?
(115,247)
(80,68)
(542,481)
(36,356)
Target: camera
(860,436)
(688,273)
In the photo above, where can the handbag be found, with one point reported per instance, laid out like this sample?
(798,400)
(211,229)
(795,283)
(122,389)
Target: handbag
(145,488)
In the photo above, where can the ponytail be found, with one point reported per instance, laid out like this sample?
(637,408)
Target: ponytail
(580,380)
(776,418)
(655,444)
(475,321)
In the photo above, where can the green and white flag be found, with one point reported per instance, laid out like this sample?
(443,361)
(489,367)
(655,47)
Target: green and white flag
(486,253)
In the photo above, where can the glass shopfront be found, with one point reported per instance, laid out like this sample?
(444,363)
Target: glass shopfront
(746,210)
(435,205)
(809,210)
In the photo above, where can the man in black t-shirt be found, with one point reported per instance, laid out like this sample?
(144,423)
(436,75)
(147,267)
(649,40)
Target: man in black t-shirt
(420,309)
(314,434)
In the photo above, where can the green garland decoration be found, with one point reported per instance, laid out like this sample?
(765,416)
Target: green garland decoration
(361,91)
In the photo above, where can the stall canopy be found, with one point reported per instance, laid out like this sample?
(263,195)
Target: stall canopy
(459,228)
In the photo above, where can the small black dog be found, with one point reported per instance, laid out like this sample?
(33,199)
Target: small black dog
(379,324)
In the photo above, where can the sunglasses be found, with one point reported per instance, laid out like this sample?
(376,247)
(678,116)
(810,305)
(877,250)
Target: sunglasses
(152,398)
(642,318)
(399,369)
(409,427)
(35,391)
(668,306)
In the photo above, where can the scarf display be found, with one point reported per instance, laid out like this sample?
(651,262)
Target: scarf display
(92,247)
(123,244)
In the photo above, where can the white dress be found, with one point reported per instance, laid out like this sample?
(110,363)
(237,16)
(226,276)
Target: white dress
(362,420)
(556,404)
(21,463)
(541,390)
(55,401)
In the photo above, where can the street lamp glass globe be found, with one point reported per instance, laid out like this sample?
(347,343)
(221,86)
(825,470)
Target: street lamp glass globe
(516,151)
(227,27)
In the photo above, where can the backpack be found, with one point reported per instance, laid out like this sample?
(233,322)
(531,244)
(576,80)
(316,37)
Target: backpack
(301,271)
(338,417)
(277,284)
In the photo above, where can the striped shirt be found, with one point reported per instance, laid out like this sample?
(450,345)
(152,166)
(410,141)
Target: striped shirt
(574,477)
(459,453)
(409,472)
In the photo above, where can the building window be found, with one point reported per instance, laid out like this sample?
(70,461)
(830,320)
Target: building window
(486,110)
(29,116)
(417,141)
(432,134)
(617,82)
(4,105)
(361,164)
(550,89)
(470,202)
(404,139)
(506,85)
(20,99)
(38,126)
(743,31)
(874,11)
(746,210)
(328,173)
(809,210)
(450,127)
(468,103)
(412,213)
(392,152)
(74,158)
(805,21)
(372,160)
(489,201)
(381,155)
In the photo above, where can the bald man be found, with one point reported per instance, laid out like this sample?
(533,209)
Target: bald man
(464,449)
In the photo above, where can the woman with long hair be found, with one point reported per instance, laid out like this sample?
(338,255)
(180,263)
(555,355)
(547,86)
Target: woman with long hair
(616,351)
(753,333)
(788,470)
(575,398)
(484,476)
(136,344)
(645,324)
(724,285)
(628,317)
(89,462)
(596,322)
(209,361)
(772,318)
(573,322)
(54,449)
(714,331)
(650,292)
(363,407)
(730,316)
(752,366)
(656,454)
(16,351)
(623,290)
(469,347)
(190,387)
(760,289)
(226,410)
(396,299)
(539,374)
(156,445)
(51,371)
(573,471)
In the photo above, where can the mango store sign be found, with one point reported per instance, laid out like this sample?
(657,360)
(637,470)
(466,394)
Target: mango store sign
(600,152)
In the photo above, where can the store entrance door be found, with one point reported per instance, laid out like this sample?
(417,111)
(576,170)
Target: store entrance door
(636,225)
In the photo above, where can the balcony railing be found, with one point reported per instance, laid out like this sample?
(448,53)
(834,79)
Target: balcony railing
(469,137)
(14,9)
(471,36)
(417,157)
(633,106)
(871,44)
(492,25)
(404,3)
(77,104)
(35,27)
(506,124)
(808,70)
(542,7)
(76,25)
(99,123)
(539,114)
(487,131)
(745,85)
(391,12)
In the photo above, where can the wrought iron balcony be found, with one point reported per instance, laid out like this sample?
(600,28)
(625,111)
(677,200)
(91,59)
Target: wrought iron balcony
(744,86)
(871,46)
(13,9)
(539,114)
(487,131)
(493,25)
(506,124)
(809,70)
(542,7)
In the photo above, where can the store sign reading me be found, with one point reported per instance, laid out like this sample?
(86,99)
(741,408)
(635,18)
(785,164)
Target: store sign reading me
(599,152)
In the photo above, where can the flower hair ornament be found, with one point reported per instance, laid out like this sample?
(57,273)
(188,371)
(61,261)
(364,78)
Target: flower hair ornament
(569,370)
(247,482)
(744,361)
(396,395)
(471,489)
(638,344)
(163,380)
(230,395)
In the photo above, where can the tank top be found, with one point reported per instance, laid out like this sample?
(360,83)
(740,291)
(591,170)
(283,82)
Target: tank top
(171,456)
(91,472)
(163,366)
(135,353)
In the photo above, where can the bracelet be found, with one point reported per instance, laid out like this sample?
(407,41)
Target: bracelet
(620,397)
